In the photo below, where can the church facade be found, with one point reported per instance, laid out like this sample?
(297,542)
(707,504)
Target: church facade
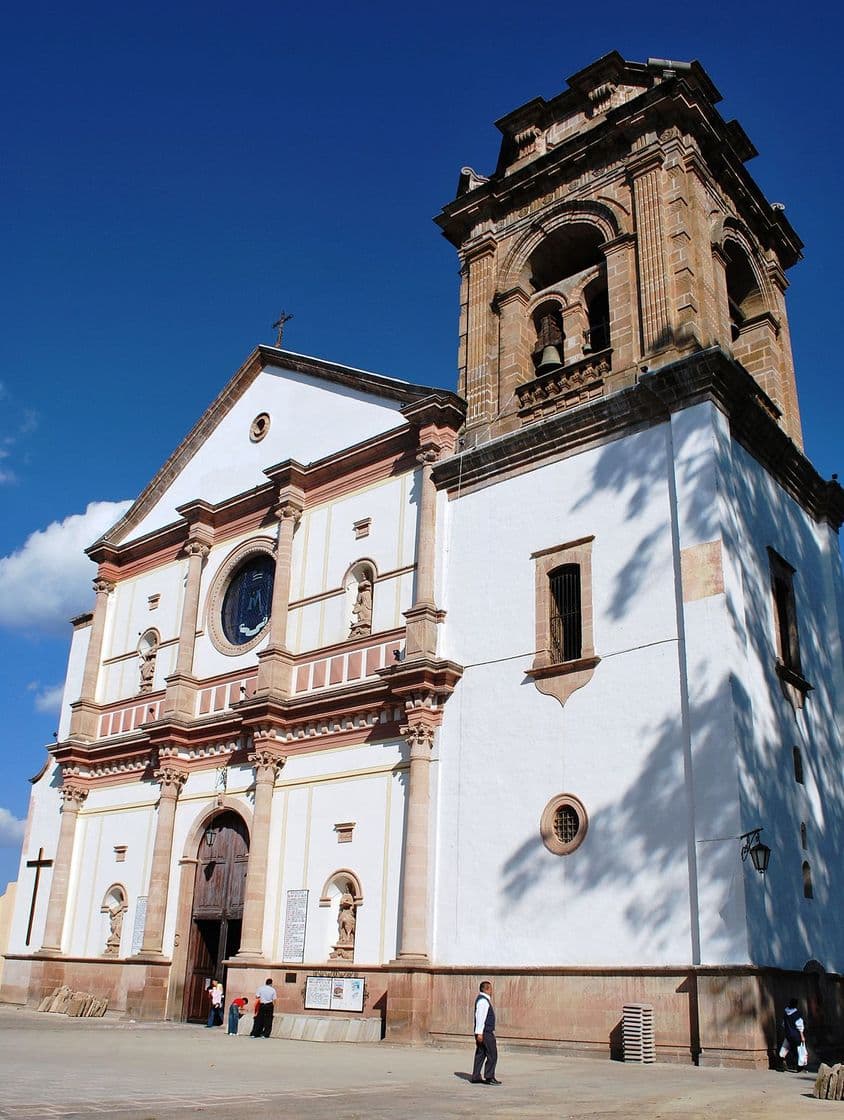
(415,688)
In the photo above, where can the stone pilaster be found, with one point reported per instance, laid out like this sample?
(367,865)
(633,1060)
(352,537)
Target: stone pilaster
(171,779)
(73,797)
(268,761)
(181,686)
(85,713)
(423,617)
(646,173)
(414,904)
(480,389)
(275,663)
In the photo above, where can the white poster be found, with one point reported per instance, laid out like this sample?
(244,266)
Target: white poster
(140,922)
(294,926)
(318,993)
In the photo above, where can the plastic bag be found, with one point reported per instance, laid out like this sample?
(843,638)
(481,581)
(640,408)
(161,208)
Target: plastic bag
(802,1056)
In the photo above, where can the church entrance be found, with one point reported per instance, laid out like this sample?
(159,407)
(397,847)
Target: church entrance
(217,911)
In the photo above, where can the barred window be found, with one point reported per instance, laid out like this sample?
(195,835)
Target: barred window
(566,623)
(785,612)
(563,824)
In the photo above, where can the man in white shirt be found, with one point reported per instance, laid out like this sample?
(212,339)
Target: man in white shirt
(486,1048)
(266,995)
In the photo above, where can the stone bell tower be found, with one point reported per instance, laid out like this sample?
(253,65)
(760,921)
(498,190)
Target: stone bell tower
(620,230)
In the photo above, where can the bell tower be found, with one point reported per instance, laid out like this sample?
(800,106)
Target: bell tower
(619,230)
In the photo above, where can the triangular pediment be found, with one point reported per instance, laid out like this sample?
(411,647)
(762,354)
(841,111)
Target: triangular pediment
(314,409)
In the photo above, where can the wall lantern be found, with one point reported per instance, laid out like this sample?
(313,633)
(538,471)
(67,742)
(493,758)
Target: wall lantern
(210,836)
(759,853)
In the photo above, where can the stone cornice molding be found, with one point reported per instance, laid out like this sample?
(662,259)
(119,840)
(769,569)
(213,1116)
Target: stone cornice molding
(708,375)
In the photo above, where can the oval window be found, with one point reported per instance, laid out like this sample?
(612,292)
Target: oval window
(246,604)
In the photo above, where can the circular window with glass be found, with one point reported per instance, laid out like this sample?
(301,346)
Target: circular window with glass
(241,599)
(564,823)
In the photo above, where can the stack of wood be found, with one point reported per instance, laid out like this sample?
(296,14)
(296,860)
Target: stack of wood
(829,1085)
(82,1005)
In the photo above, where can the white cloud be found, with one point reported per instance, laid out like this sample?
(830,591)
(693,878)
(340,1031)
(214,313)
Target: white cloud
(48,579)
(11,829)
(48,698)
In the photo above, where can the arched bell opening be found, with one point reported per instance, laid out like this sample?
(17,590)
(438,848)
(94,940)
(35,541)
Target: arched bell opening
(744,295)
(222,857)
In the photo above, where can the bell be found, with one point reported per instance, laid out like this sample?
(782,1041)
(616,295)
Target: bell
(550,360)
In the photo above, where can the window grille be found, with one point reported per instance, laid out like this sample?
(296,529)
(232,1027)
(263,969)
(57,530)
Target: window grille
(785,609)
(566,824)
(566,626)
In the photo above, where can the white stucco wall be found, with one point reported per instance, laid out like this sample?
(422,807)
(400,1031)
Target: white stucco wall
(309,420)
(623,896)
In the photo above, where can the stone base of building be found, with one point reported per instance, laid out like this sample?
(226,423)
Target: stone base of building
(710,1015)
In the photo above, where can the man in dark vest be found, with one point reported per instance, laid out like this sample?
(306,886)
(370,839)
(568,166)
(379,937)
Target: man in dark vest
(486,1049)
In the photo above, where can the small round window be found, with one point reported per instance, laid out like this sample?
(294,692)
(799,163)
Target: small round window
(563,825)
(246,603)
(259,427)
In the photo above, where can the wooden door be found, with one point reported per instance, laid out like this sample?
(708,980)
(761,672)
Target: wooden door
(217,908)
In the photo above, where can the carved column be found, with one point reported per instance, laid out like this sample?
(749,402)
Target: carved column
(171,779)
(275,663)
(85,712)
(414,903)
(481,380)
(181,686)
(72,797)
(423,617)
(646,175)
(268,761)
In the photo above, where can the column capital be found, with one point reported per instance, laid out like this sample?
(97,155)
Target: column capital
(266,758)
(73,797)
(196,547)
(288,509)
(171,778)
(103,586)
(420,737)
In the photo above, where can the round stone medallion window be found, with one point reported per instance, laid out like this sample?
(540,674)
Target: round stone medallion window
(564,824)
(241,598)
(259,427)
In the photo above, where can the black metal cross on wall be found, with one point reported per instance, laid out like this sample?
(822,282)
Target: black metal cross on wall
(37,863)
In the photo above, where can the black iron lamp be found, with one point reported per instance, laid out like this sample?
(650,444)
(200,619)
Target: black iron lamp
(210,836)
(759,853)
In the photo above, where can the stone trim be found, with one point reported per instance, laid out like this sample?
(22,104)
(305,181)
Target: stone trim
(546,824)
(709,375)
(258,546)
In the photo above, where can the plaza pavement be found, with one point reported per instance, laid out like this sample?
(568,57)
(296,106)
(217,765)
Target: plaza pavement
(52,1066)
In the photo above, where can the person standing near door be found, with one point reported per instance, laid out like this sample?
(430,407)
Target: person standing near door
(263,1024)
(215,1011)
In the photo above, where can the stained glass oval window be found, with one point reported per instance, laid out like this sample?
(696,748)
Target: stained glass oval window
(246,604)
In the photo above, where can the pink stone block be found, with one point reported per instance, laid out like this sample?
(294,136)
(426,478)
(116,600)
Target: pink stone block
(205,702)
(219,697)
(354,666)
(302,678)
(336,670)
(373,660)
(319,674)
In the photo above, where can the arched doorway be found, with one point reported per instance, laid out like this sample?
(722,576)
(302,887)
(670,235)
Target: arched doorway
(222,859)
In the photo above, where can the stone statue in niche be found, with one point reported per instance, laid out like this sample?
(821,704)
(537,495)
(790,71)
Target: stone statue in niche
(116,909)
(147,651)
(344,950)
(362,610)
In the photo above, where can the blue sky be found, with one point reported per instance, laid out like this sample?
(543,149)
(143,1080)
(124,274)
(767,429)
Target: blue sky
(175,174)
